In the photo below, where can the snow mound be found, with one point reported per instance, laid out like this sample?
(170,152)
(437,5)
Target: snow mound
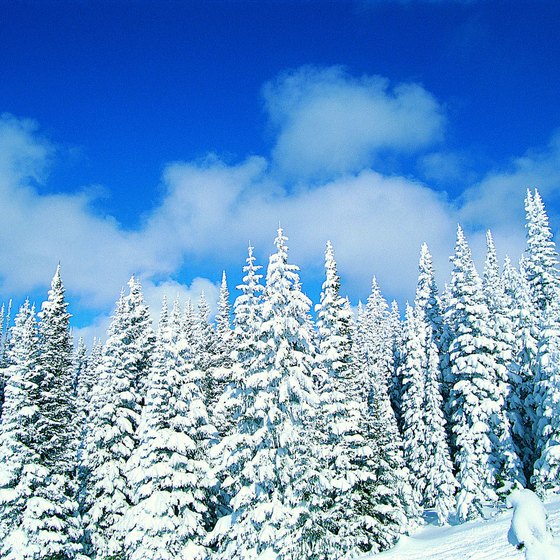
(528,522)
(475,540)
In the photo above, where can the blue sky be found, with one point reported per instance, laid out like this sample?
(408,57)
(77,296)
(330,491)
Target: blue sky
(157,138)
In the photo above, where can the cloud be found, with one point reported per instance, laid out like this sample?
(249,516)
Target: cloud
(329,123)
(376,223)
(210,209)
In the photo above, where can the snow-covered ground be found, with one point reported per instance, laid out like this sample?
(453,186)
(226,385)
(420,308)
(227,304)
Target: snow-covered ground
(477,540)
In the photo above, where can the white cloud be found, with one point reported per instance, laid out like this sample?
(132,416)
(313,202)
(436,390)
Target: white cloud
(211,209)
(330,123)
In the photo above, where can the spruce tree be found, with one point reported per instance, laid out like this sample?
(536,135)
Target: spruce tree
(168,471)
(56,509)
(342,512)
(390,505)
(428,303)
(222,361)
(505,455)
(473,399)
(396,333)
(546,473)
(439,484)
(541,259)
(21,469)
(265,456)
(412,405)
(524,364)
(113,432)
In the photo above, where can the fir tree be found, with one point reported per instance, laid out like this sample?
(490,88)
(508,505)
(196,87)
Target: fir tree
(205,351)
(396,333)
(427,302)
(168,470)
(341,516)
(412,406)
(221,371)
(55,507)
(541,262)
(265,456)
(473,396)
(546,474)
(391,509)
(21,468)
(439,483)
(505,455)
(113,432)
(523,366)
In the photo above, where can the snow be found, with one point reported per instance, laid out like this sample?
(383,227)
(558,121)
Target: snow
(528,523)
(475,540)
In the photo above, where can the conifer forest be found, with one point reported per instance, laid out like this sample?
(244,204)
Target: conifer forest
(281,430)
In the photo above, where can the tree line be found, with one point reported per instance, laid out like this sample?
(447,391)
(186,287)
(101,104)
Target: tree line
(276,435)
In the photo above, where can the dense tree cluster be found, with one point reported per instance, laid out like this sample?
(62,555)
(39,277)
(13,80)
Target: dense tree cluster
(281,436)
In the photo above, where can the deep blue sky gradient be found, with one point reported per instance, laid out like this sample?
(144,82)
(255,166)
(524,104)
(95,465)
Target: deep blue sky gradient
(126,86)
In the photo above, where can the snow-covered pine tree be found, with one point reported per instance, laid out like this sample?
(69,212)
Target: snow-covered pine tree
(21,468)
(341,516)
(524,364)
(188,328)
(113,431)
(412,403)
(168,471)
(375,324)
(268,453)
(205,351)
(248,313)
(473,399)
(540,265)
(223,326)
(80,362)
(55,507)
(223,363)
(86,383)
(391,508)
(245,337)
(427,302)
(505,454)
(439,484)
(546,474)
(396,334)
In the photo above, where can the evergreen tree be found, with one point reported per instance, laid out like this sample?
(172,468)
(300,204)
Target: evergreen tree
(205,351)
(266,456)
(245,339)
(439,484)
(55,506)
(396,333)
(427,302)
(223,362)
(80,363)
(113,433)
(390,504)
(546,474)
(505,454)
(375,324)
(341,517)
(21,468)
(223,327)
(523,366)
(168,470)
(473,396)
(412,406)
(541,262)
